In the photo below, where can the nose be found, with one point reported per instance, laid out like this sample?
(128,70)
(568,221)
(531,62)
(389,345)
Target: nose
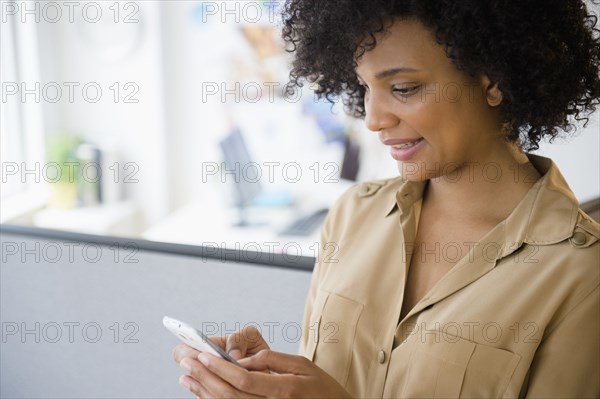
(378,115)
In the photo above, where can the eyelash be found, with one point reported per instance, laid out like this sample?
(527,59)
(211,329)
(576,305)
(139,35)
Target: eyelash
(404,91)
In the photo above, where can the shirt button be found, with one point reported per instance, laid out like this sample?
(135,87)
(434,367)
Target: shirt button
(381,357)
(578,238)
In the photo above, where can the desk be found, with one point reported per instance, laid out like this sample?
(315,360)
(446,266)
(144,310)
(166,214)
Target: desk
(118,219)
(210,222)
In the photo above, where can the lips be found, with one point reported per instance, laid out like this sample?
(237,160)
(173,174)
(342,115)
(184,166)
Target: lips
(408,144)
(404,150)
(395,142)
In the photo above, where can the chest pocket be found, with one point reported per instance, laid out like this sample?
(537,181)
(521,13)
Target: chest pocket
(455,367)
(332,331)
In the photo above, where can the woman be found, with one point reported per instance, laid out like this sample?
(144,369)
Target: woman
(473,274)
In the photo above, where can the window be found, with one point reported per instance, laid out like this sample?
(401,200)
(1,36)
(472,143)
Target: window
(11,150)
(21,128)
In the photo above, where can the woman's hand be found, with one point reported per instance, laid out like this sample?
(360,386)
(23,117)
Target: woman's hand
(286,376)
(291,377)
(243,343)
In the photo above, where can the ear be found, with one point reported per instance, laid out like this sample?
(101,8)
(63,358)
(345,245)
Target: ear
(493,94)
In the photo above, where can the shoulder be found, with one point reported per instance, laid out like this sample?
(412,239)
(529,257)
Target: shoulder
(383,190)
(584,247)
(369,194)
(586,232)
(363,201)
(583,242)
(570,267)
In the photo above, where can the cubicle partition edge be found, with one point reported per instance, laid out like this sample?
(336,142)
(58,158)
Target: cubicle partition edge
(81,315)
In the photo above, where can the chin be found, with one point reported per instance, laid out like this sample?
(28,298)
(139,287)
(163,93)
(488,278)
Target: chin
(418,170)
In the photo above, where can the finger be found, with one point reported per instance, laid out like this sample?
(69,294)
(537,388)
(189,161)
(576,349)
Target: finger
(230,344)
(182,350)
(252,382)
(193,386)
(278,362)
(237,345)
(211,384)
(245,342)
(196,379)
(221,341)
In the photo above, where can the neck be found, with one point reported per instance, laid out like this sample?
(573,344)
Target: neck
(484,190)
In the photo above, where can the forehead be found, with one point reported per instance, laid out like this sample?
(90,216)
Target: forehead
(407,43)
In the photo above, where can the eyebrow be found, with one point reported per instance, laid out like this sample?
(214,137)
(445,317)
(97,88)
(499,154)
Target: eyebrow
(391,72)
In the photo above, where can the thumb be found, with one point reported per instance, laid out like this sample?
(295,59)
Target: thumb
(236,347)
(278,362)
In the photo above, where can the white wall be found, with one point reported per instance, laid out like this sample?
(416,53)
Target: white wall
(81,52)
(578,158)
(194,127)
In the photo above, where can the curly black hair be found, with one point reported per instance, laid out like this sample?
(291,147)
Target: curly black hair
(544,54)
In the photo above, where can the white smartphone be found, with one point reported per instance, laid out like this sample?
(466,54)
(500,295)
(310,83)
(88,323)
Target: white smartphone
(196,339)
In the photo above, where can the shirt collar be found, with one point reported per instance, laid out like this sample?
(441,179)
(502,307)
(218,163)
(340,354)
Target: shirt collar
(529,221)
(548,212)
(408,193)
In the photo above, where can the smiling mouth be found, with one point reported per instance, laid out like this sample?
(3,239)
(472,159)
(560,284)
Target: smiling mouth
(407,145)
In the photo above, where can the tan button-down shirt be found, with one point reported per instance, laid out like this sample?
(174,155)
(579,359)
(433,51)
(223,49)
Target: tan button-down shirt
(518,316)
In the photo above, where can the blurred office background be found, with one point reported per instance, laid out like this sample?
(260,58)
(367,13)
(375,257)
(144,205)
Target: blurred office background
(156,95)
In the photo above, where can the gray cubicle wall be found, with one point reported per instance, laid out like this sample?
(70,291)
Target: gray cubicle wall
(82,315)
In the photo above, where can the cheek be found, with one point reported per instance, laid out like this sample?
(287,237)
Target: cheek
(434,120)
(446,116)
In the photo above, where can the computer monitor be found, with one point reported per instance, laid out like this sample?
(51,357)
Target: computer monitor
(237,158)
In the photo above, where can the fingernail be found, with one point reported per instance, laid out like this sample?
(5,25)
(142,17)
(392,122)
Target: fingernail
(185,364)
(184,383)
(235,353)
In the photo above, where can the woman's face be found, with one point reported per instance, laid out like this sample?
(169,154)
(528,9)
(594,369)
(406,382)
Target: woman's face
(434,117)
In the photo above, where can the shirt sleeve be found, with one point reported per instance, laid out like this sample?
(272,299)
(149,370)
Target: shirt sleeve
(567,363)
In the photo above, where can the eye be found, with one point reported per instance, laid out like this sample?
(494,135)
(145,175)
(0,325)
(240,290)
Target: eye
(406,90)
